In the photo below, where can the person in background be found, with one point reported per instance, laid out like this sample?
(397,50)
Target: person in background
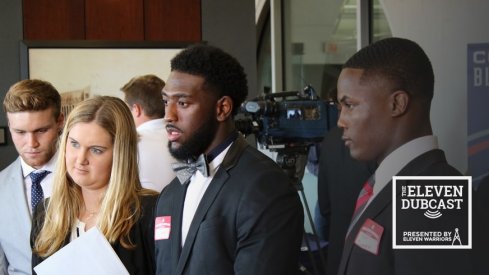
(33,109)
(313,161)
(312,166)
(96,184)
(231,209)
(143,96)
(385,92)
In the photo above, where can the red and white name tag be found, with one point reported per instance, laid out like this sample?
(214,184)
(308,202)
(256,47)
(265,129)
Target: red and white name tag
(162,228)
(369,236)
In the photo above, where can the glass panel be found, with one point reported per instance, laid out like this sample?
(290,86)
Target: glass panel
(318,37)
(380,26)
(264,62)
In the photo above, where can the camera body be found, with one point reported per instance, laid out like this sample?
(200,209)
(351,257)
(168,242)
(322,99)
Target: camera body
(287,119)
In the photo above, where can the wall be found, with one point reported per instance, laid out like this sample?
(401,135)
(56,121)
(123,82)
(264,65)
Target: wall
(10,35)
(226,24)
(230,25)
(443,29)
(97,71)
(128,20)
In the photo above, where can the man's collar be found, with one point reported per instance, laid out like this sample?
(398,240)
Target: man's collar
(219,148)
(48,166)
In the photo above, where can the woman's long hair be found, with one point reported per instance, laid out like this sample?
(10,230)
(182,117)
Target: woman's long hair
(120,205)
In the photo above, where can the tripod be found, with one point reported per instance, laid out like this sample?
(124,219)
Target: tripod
(292,160)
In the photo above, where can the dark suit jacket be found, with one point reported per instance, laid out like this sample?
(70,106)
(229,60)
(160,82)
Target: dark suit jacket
(340,179)
(139,260)
(250,221)
(356,261)
(480,225)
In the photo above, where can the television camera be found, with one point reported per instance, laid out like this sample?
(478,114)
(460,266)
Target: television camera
(287,119)
(288,123)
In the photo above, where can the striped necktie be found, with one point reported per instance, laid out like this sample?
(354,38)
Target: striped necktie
(365,194)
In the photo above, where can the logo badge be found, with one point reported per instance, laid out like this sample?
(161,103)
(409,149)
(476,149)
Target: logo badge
(432,212)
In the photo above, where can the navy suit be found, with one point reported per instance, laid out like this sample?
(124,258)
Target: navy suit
(249,221)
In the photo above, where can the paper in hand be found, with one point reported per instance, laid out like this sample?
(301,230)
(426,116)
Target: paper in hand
(90,253)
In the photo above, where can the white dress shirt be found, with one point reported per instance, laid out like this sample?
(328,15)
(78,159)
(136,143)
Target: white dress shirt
(394,162)
(154,161)
(196,189)
(46,183)
(399,158)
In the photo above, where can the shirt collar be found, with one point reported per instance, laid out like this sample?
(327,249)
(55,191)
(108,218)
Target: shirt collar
(216,161)
(49,166)
(219,148)
(400,157)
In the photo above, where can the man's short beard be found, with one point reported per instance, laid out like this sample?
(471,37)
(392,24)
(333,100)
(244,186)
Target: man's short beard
(197,144)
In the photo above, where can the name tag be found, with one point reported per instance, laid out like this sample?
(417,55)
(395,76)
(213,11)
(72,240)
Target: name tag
(162,228)
(368,238)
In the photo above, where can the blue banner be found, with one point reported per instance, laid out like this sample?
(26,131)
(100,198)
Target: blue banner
(478,110)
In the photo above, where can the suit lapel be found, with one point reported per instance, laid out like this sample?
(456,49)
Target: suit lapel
(381,201)
(209,197)
(177,212)
(18,196)
(384,199)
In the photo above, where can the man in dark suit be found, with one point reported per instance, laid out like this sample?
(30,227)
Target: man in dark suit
(236,212)
(340,179)
(385,92)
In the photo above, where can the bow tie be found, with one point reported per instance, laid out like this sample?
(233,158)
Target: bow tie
(185,170)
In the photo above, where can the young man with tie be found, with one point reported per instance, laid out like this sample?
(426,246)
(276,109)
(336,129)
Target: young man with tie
(385,92)
(231,209)
(33,109)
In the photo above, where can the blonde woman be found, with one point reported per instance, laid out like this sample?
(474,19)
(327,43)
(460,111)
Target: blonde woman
(96,183)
